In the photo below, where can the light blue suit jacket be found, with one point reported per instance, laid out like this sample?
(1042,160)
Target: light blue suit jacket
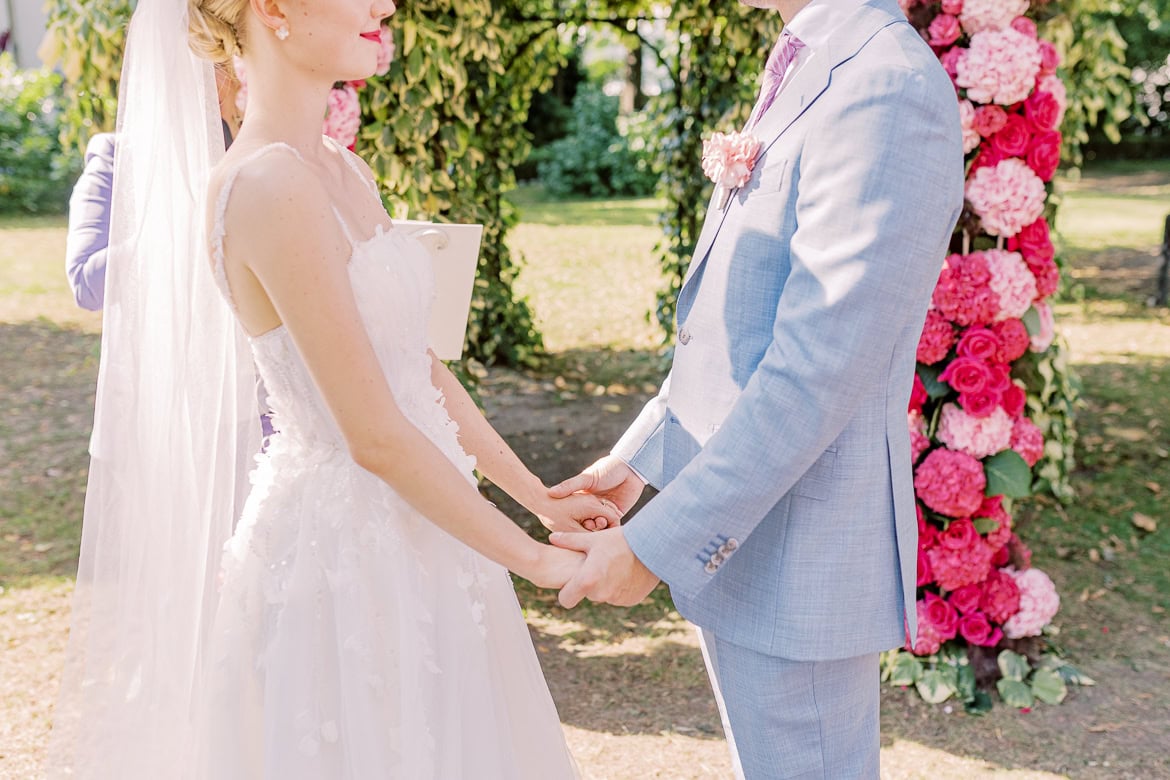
(786,519)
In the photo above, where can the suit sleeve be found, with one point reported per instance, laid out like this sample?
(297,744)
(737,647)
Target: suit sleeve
(879,190)
(89,224)
(641,445)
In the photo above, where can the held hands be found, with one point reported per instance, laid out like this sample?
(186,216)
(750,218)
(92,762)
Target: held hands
(577,512)
(609,478)
(610,572)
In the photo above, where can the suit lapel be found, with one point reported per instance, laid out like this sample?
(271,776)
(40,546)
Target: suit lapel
(806,85)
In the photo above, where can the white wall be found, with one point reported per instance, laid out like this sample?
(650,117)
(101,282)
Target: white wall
(26,19)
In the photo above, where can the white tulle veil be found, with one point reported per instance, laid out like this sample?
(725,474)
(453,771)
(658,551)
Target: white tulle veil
(175,425)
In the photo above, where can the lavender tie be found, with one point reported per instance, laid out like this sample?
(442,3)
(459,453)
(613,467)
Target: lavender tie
(779,61)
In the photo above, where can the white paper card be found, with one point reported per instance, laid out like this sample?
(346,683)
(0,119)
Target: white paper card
(454,249)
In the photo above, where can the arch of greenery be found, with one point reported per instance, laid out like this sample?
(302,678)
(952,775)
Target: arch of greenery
(444,129)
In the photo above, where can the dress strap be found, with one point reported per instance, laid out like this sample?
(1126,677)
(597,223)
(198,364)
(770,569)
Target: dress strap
(351,160)
(218,229)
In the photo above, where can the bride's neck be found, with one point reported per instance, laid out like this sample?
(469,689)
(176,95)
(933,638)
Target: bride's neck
(285,106)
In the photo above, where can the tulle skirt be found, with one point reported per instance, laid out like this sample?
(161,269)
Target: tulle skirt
(355,639)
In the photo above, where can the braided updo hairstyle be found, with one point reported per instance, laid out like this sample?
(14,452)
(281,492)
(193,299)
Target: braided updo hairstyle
(216,29)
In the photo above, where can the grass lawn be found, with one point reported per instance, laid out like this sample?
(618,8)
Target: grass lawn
(629,683)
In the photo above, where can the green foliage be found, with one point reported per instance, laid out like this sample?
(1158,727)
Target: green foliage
(86,40)
(35,173)
(1053,398)
(594,160)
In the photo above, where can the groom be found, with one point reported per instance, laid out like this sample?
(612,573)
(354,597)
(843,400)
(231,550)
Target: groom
(786,525)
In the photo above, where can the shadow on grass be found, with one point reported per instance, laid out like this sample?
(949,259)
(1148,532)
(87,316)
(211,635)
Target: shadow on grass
(47,379)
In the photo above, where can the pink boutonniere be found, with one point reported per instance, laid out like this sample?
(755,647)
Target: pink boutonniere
(728,160)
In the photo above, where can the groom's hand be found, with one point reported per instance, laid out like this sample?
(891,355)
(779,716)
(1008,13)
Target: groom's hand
(609,478)
(611,572)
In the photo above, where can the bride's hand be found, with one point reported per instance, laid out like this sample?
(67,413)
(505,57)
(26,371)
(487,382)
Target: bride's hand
(554,567)
(578,512)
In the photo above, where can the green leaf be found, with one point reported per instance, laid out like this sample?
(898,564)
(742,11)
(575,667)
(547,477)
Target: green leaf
(1015,693)
(934,687)
(1008,474)
(906,670)
(1074,676)
(929,376)
(1013,666)
(1031,320)
(985,525)
(1048,686)
(965,684)
(980,704)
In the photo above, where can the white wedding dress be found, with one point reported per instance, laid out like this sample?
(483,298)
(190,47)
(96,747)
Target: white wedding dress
(354,638)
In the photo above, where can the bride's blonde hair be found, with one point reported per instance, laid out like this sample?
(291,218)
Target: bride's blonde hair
(216,29)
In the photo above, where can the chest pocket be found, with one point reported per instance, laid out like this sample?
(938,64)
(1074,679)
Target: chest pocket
(768,180)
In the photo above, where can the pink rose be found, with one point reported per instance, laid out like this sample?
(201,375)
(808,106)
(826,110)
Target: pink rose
(953,7)
(966,599)
(1001,596)
(988,157)
(1001,376)
(1012,140)
(1034,241)
(1013,400)
(729,158)
(1044,154)
(919,441)
(1025,25)
(1042,111)
(1049,58)
(979,343)
(925,576)
(979,404)
(937,337)
(992,509)
(1013,339)
(941,616)
(976,629)
(958,535)
(951,483)
(918,395)
(928,641)
(944,30)
(950,60)
(966,375)
(989,120)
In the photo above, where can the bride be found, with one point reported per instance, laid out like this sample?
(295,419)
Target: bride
(361,623)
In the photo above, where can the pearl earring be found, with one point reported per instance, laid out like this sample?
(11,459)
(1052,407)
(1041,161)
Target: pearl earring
(282,32)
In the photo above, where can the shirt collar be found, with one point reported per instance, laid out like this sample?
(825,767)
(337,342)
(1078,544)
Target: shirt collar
(816,23)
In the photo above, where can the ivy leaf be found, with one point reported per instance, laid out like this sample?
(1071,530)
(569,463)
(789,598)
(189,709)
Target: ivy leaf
(1008,474)
(934,688)
(966,685)
(1013,666)
(1074,676)
(1015,693)
(1048,686)
(906,670)
(1031,320)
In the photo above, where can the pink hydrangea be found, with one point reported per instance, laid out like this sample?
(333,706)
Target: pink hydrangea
(919,441)
(1006,196)
(1013,339)
(971,136)
(385,53)
(1001,596)
(981,15)
(938,335)
(963,293)
(928,640)
(1039,603)
(1043,340)
(956,566)
(976,436)
(1027,440)
(1012,282)
(949,59)
(1000,66)
(953,7)
(344,116)
(949,482)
